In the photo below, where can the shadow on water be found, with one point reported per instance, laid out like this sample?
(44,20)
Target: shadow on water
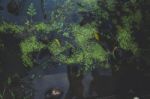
(10,57)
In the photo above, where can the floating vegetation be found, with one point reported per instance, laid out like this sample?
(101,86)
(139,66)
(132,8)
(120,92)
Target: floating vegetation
(126,41)
(83,34)
(29,46)
(10,28)
(43,28)
(55,47)
(87,5)
(88,42)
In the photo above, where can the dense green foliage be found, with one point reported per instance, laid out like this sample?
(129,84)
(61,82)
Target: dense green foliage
(106,21)
(89,34)
(42,27)
(27,47)
(126,40)
(55,47)
(10,28)
(86,53)
(83,34)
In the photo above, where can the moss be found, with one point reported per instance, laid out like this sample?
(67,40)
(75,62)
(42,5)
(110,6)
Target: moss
(10,28)
(28,46)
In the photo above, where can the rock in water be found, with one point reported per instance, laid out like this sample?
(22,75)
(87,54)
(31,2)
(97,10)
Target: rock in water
(54,93)
(57,82)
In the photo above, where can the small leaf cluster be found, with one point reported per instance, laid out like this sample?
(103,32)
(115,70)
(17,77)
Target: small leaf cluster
(31,11)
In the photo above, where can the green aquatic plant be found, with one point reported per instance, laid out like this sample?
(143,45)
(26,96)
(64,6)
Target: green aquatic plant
(28,46)
(31,11)
(87,56)
(10,28)
(87,5)
(92,51)
(126,40)
(55,47)
(137,17)
(83,34)
(59,15)
(43,27)
(86,53)
(104,15)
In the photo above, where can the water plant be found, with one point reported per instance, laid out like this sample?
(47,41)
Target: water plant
(83,34)
(28,46)
(42,27)
(10,28)
(84,51)
(55,47)
(126,40)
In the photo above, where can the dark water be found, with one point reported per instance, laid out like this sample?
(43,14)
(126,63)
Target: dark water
(99,83)
(10,56)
